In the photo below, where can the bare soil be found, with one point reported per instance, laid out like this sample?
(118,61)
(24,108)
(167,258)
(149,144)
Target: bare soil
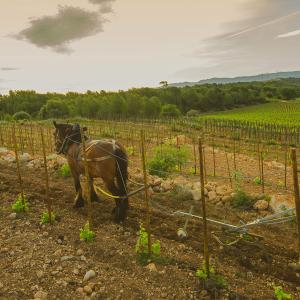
(44,258)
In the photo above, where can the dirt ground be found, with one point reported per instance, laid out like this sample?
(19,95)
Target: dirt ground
(52,259)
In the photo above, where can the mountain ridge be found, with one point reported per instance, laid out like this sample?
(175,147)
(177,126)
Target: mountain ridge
(251,78)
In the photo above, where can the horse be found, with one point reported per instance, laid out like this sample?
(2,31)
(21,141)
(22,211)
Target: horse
(106,159)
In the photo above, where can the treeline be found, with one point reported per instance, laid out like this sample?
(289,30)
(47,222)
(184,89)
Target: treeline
(144,102)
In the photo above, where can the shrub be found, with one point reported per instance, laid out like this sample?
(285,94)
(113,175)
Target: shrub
(65,171)
(86,234)
(45,218)
(21,115)
(241,200)
(166,160)
(20,204)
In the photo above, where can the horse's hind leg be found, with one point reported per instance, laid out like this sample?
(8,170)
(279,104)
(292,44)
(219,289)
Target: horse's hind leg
(117,211)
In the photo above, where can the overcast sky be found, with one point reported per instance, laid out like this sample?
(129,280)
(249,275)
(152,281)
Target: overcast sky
(63,45)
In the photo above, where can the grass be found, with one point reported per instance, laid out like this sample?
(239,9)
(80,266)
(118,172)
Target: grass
(275,112)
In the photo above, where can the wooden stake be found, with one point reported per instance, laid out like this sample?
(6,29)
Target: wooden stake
(87,176)
(262,172)
(296,193)
(148,217)
(228,166)
(214,156)
(18,164)
(49,204)
(195,157)
(206,253)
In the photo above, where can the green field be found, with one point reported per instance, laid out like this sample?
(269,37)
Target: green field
(277,112)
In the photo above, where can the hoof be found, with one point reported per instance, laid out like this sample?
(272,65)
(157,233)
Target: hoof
(79,202)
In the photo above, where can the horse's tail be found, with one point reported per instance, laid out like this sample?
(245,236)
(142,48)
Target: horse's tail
(122,169)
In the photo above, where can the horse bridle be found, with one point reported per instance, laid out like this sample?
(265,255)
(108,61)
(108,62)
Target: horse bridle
(64,143)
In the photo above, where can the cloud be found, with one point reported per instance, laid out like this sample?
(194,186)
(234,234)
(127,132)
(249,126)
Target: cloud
(252,45)
(8,69)
(58,31)
(105,5)
(289,34)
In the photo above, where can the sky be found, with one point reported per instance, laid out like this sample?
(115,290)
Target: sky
(79,45)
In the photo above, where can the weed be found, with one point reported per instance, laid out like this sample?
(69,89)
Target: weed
(257,180)
(86,234)
(280,294)
(130,150)
(45,218)
(20,204)
(181,193)
(65,170)
(219,280)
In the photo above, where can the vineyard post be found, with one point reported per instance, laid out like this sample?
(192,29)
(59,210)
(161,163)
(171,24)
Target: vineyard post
(148,217)
(262,172)
(285,165)
(18,164)
(204,164)
(234,155)
(49,204)
(1,136)
(228,167)
(296,192)
(87,176)
(214,156)
(195,156)
(206,253)
(31,138)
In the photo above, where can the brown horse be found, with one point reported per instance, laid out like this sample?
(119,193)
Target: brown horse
(107,159)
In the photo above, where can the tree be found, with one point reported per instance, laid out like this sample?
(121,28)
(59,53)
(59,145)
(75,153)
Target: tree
(152,107)
(54,108)
(170,111)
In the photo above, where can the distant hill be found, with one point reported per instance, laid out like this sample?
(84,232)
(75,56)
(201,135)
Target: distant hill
(261,77)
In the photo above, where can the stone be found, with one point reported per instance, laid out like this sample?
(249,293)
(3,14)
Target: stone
(41,295)
(196,195)
(87,289)
(221,190)
(40,274)
(66,257)
(226,199)
(89,275)
(12,216)
(212,195)
(79,252)
(25,157)
(1,285)
(294,266)
(279,203)
(75,271)
(167,185)
(151,267)
(261,205)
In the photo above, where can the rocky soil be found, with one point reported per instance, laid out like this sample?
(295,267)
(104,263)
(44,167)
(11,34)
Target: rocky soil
(50,262)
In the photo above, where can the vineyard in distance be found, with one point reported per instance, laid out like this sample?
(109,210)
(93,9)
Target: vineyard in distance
(212,184)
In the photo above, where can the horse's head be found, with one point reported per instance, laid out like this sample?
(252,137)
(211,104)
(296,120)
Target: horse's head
(66,134)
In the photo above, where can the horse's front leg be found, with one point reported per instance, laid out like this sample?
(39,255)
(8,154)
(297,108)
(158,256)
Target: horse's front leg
(94,196)
(79,201)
